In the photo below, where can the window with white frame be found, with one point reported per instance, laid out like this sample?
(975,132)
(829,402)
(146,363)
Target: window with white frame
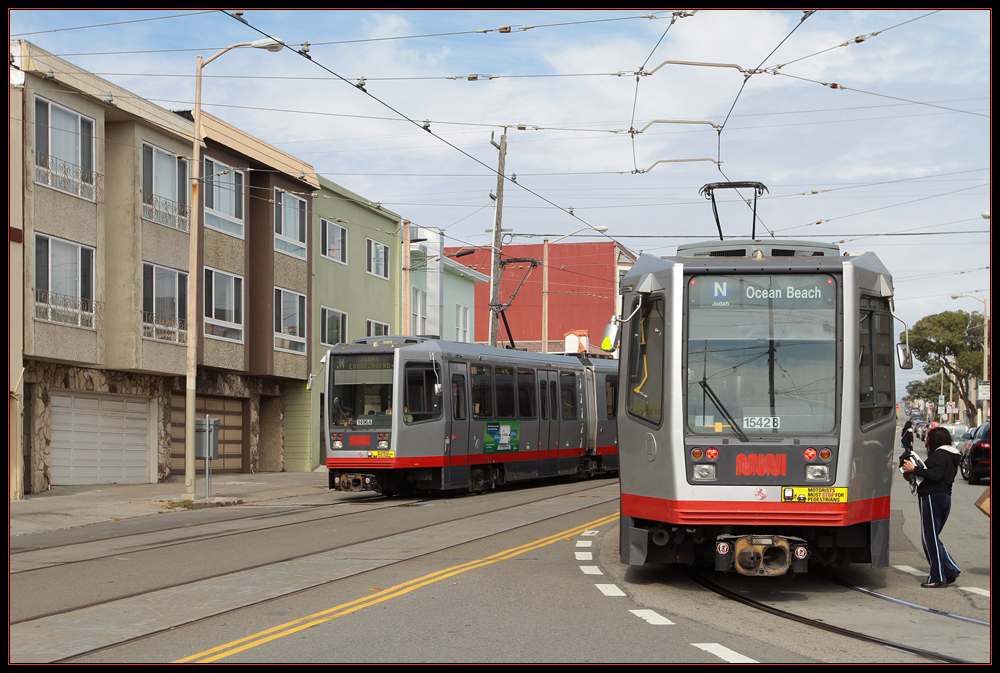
(164,187)
(164,303)
(333,326)
(64,149)
(223,305)
(333,241)
(378,259)
(462,324)
(418,312)
(376,328)
(289,321)
(64,281)
(289,223)
(223,197)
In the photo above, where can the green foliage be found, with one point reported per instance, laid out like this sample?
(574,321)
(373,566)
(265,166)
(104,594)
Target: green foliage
(951,341)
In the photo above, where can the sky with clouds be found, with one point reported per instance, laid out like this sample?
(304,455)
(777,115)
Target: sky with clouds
(870,128)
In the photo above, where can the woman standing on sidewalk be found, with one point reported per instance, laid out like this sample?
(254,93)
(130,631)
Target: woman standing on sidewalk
(934,495)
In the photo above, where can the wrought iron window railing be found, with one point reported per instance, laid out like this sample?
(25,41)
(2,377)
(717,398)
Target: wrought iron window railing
(66,177)
(165,211)
(61,308)
(163,328)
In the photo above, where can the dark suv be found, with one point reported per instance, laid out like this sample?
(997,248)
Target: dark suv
(977,455)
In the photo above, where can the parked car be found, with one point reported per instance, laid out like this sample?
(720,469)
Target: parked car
(976,454)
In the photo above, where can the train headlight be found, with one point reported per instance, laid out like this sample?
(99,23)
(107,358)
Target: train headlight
(338,444)
(383,443)
(817,473)
(703,473)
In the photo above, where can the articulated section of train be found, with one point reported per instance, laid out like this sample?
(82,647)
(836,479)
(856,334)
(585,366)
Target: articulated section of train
(757,414)
(405,414)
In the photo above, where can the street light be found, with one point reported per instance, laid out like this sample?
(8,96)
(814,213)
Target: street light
(272,45)
(986,341)
(545,281)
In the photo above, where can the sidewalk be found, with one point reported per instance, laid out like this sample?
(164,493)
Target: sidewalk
(71,506)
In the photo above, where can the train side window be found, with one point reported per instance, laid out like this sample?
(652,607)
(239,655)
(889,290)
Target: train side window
(645,361)
(506,400)
(458,402)
(554,400)
(875,375)
(526,393)
(568,385)
(482,391)
(422,404)
(611,393)
(543,396)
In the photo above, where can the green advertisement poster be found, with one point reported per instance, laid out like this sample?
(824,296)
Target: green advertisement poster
(502,437)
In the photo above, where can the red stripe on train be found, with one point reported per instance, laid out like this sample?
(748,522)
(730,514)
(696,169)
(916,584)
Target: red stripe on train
(693,512)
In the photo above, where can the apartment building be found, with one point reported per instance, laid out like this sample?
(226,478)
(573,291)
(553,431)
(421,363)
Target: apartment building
(99,235)
(355,249)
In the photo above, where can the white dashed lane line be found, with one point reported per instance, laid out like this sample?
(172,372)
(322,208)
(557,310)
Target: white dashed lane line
(725,653)
(610,589)
(652,617)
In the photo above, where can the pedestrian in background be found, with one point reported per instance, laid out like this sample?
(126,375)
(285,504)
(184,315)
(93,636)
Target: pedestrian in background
(934,496)
(906,437)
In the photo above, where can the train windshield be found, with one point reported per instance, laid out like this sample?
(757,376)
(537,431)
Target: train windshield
(761,354)
(360,393)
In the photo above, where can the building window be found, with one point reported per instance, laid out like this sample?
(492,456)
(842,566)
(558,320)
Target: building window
(223,198)
(64,149)
(164,303)
(64,282)
(376,328)
(378,259)
(289,321)
(164,187)
(333,327)
(418,312)
(462,324)
(223,305)
(289,224)
(333,241)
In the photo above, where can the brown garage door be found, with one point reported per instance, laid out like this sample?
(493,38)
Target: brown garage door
(234,446)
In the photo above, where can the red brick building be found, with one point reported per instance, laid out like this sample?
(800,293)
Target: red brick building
(582,291)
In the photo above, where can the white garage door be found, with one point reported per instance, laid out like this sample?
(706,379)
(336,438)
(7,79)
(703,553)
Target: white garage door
(100,439)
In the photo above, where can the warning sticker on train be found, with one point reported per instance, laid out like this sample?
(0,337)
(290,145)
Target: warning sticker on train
(826,494)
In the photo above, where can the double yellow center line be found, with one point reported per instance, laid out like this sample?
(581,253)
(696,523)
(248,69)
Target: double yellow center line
(287,629)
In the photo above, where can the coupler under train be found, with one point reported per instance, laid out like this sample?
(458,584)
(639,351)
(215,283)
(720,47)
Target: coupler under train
(352,483)
(761,555)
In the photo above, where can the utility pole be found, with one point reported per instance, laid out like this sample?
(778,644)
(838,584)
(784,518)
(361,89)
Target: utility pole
(495,266)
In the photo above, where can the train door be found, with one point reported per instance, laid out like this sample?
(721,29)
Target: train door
(590,415)
(458,427)
(548,423)
(527,421)
(571,427)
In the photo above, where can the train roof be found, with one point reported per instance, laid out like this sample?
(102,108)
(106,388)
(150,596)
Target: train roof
(470,352)
(753,247)
(756,256)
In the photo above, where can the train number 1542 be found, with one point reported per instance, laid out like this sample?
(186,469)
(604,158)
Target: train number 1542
(761,422)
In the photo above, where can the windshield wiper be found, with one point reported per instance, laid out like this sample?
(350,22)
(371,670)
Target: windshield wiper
(722,410)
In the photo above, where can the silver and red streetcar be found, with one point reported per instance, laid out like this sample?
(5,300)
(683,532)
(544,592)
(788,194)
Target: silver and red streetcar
(757,414)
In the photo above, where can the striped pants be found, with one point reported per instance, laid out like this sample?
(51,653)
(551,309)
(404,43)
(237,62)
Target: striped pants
(934,510)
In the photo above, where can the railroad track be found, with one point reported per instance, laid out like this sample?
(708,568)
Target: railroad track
(899,613)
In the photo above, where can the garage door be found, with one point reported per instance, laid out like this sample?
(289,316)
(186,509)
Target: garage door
(100,439)
(233,449)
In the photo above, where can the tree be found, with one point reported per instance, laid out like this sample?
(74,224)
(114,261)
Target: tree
(951,341)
